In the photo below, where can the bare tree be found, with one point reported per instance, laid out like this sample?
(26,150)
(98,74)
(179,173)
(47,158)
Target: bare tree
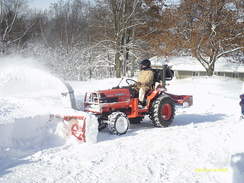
(160,30)
(122,15)
(211,29)
(67,24)
(13,27)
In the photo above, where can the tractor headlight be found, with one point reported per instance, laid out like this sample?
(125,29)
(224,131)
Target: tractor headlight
(186,104)
(94,108)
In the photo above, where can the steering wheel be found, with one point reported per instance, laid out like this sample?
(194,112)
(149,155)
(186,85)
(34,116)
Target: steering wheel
(130,82)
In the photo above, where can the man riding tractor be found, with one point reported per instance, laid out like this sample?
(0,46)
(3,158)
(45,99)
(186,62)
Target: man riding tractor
(145,80)
(119,106)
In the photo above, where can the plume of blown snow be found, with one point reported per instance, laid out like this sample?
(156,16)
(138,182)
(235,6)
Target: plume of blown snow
(20,76)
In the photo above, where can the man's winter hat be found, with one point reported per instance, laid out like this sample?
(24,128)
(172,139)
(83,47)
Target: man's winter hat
(145,63)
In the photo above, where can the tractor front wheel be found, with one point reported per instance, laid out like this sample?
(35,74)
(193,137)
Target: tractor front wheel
(162,112)
(118,123)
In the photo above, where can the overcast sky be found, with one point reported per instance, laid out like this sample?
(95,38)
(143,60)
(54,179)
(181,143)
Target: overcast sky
(40,4)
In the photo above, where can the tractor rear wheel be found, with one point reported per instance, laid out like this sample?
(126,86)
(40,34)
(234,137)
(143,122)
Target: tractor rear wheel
(118,123)
(162,112)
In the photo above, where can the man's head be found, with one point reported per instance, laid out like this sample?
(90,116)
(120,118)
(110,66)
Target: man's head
(145,64)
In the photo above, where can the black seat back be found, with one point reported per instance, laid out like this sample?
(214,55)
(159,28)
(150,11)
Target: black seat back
(161,74)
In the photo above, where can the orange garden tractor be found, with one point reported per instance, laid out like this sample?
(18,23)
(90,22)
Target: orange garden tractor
(116,108)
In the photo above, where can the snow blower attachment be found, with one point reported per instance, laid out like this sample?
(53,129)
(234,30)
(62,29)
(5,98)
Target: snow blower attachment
(116,108)
(83,126)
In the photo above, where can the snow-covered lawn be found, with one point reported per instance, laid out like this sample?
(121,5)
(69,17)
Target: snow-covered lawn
(201,146)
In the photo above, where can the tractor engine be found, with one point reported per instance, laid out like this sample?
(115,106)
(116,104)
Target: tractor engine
(107,100)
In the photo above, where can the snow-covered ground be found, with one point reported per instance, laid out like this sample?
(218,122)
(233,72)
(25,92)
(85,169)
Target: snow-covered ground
(204,143)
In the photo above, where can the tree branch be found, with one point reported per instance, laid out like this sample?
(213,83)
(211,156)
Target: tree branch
(229,51)
(199,56)
(24,34)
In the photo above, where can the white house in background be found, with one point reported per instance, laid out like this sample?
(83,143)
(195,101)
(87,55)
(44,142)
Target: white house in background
(187,66)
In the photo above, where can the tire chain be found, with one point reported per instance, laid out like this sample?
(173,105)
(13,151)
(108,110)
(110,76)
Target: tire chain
(111,121)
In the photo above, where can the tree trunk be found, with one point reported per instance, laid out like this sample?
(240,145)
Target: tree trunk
(118,65)
(90,73)
(210,69)
(209,66)
(124,53)
(133,62)
(3,47)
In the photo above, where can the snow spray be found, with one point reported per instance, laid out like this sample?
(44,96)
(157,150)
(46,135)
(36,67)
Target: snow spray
(20,76)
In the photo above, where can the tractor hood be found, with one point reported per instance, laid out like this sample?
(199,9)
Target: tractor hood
(114,95)
(106,100)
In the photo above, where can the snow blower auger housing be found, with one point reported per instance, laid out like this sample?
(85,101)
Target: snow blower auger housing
(116,108)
